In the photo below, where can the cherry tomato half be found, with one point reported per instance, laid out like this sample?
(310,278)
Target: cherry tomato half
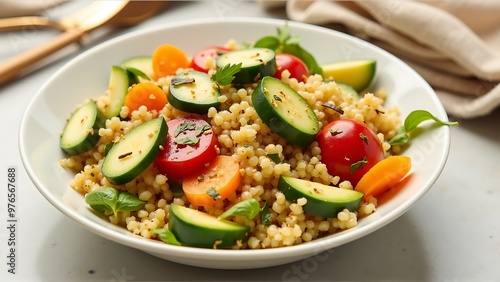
(199,61)
(349,149)
(191,144)
(297,68)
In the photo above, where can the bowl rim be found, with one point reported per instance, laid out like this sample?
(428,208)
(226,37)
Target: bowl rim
(152,246)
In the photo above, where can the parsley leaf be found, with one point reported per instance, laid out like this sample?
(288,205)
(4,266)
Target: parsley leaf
(187,141)
(184,126)
(200,129)
(225,75)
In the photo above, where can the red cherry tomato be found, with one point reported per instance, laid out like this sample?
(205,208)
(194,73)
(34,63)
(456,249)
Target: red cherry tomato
(349,149)
(297,68)
(199,61)
(191,144)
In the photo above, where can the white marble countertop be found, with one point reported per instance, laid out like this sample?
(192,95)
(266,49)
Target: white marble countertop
(452,234)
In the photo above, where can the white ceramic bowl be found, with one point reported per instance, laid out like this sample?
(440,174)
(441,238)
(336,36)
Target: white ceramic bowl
(87,76)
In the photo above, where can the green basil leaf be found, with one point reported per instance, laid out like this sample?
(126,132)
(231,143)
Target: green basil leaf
(418,116)
(103,199)
(136,73)
(411,122)
(249,208)
(305,56)
(270,42)
(265,215)
(128,202)
(400,138)
(166,236)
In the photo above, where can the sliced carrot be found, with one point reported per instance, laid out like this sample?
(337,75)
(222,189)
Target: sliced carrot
(384,175)
(147,94)
(215,183)
(167,59)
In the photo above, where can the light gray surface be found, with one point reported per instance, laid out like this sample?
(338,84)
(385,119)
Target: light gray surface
(452,234)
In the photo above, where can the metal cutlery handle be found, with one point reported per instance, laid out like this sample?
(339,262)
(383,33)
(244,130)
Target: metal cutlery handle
(15,65)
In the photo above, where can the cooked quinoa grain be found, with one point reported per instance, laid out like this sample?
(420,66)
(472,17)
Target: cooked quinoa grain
(242,134)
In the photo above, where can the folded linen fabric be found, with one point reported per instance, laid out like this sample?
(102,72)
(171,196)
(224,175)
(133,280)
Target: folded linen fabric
(13,8)
(454,45)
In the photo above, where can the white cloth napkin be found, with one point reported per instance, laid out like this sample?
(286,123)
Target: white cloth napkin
(17,8)
(454,45)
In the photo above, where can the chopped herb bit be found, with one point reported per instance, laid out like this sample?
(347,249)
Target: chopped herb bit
(200,129)
(274,157)
(225,75)
(265,215)
(187,141)
(379,111)
(333,107)
(213,193)
(358,165)
(364,137)
(124,155)
(176,81)
(336,131)
(277,98)
(184,126)
(176,188)
(246,145)
(201,178)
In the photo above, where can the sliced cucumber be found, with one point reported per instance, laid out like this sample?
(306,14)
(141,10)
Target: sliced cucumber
(256,64)
(198,229)
(285,112)
(193,92)
(322,200)
(117,90)
(356,73)
(141,63)
(135,151)
(348,89)
(80,134)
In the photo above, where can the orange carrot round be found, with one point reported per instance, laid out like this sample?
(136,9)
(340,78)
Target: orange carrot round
(147,94)
(384,175)
(215,183)
(167,59)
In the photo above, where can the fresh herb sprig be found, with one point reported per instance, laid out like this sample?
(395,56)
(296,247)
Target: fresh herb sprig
(113,200)
(285,42)
(225,75)
(166,236)
(411,122)
(249,208)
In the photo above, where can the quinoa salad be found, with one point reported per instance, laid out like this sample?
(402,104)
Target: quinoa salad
(263,157)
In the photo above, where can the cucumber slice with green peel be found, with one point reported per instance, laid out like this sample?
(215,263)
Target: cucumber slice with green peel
(285,111)
(80,134)
(117,90)
(348,89)
(256,63)
(134,151)
(193,92)
(356,73)
(198,229)
(141,63)
(322,200)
